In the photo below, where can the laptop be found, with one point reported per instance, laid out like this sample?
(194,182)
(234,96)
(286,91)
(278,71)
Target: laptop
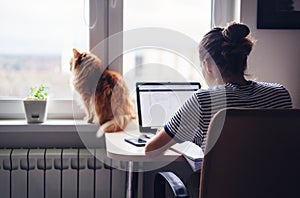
(157,102)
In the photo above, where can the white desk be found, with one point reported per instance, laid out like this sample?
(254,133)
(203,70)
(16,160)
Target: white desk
(118,149)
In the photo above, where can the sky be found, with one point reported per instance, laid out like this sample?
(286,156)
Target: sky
(191,17)
(41,27)
(55,26)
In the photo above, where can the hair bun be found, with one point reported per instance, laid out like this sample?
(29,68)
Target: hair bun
(235,32)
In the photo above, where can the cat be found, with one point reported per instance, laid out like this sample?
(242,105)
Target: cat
(104,93)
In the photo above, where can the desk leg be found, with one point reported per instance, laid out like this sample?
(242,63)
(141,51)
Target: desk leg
(129,193)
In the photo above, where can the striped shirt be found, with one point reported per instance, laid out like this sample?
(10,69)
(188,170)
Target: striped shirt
(190,122)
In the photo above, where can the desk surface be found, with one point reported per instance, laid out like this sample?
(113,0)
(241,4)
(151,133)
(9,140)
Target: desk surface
(118,149)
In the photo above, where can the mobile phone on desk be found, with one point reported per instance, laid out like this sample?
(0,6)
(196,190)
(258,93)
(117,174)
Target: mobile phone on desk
(136,141)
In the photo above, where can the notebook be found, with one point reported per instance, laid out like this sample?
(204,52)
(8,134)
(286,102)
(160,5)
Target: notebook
(157,102)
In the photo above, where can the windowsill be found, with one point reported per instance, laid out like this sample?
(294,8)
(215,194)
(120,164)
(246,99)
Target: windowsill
(51,125)
(50,134)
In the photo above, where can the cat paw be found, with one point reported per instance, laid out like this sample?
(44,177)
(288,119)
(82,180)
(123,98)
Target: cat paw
(89,119)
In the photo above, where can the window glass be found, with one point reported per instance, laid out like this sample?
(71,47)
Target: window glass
(191,18)
(36,39)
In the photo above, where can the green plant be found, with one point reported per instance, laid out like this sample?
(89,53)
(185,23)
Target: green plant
(38,93)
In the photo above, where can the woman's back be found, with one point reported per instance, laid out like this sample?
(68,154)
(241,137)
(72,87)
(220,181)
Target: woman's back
(209,101)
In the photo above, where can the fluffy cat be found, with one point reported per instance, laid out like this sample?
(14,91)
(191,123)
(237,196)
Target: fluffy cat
(104,94)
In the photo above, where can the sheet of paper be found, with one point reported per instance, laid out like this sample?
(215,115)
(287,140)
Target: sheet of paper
(195,165)
(189,149)
(192,153)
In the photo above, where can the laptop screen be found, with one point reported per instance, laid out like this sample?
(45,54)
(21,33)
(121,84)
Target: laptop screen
(157,102)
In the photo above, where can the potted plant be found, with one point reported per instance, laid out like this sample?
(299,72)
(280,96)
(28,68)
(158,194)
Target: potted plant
(35,105)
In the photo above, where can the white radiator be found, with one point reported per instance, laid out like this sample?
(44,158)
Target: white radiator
(58,173)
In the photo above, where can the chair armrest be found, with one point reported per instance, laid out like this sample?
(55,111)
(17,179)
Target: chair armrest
(177,186)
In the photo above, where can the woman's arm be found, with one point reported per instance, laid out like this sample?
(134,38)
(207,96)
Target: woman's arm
(159,143)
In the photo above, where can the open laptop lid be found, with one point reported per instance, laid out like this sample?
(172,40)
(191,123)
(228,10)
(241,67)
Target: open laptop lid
(157,102)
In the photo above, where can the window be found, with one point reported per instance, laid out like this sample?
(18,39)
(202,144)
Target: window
(37,38)
(187,20)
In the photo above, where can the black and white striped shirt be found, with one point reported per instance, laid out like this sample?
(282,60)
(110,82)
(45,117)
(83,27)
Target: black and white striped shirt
(190,122)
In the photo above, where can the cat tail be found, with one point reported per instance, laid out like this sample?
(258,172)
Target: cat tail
(116,124)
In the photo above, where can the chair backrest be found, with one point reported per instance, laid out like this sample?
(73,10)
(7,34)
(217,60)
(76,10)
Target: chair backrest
(252,153)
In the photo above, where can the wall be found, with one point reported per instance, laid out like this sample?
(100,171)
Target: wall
(275,57)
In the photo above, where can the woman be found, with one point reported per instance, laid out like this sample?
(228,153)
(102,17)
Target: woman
(223,54)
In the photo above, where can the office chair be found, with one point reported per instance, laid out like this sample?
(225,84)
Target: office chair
(249,153)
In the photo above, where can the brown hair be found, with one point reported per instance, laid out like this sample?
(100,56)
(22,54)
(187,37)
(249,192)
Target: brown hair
(228,47)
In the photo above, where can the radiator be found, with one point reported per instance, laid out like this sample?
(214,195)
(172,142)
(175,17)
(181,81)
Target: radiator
(58,173)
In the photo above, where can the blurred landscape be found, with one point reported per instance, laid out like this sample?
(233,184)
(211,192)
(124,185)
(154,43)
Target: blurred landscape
(20,72)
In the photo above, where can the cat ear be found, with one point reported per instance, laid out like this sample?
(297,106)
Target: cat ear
(76,53)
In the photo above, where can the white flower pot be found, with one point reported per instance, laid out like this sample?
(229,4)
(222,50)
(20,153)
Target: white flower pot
(35,110)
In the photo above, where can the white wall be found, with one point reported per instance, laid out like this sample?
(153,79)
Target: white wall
(276,55)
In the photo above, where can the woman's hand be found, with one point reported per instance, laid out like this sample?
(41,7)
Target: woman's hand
(159,143)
